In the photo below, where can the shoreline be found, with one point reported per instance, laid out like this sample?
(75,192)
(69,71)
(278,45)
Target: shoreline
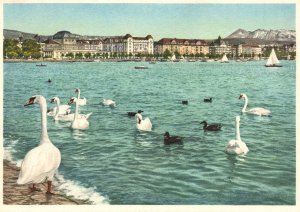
(14,194)
(70,60)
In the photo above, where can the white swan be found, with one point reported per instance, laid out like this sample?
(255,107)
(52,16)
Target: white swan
(80,102)
(144,125)
(41,162)
(79,122)
(58,115)
(237,146)
(109,102)
(255,111)
(63,109)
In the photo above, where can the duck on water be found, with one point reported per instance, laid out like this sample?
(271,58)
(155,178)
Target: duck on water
(172,139)
(208,99)
(211,127)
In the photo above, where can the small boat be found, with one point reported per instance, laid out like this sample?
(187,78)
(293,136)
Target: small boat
(224,59)
(41,65)
(273,61)
(141,67)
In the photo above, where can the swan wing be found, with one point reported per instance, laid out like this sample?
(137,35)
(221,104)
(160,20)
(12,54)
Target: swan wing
(145,125)
(259,111)
(243,147)
(39,163)
(87,116)
(80,124)
(66,117)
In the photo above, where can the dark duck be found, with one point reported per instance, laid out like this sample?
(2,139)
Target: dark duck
(208,99)
(132,114)
(211,127)
(172,139)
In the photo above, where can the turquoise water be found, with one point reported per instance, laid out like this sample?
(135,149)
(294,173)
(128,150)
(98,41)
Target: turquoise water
(115,162)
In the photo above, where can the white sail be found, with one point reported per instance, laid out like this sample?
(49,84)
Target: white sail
(173,57)
(224,58)
(272,59)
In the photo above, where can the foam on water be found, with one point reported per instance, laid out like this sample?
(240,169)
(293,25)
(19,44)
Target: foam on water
(74,189)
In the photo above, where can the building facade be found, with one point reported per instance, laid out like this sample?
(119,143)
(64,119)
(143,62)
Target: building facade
(182,46)
(128,45)
(65,43)
(219,47)
(241,50)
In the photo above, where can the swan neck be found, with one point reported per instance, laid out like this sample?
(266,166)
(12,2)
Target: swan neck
(57,110)
(245,105)
(77,106)
(139,118)
(238,136)
(44,133)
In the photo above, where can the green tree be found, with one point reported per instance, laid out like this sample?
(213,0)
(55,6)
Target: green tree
(70,55)
(87,55)
(78,55)
(31,49)
(11,48)
(192,55)
(138,55)
(177,54)
(167,54)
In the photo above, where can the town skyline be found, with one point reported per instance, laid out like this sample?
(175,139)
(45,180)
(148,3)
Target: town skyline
(162,20)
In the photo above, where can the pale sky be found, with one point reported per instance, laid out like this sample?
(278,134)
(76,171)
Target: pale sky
(201,21)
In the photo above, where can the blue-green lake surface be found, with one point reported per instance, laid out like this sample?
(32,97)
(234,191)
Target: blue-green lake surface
(114,163)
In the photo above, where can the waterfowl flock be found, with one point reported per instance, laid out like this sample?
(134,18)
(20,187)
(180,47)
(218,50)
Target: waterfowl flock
(41,162)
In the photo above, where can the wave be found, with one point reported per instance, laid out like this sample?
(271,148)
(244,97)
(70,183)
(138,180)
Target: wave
(74,189)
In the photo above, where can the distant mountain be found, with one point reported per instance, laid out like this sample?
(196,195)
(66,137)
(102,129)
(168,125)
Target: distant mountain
(14,34)
(271,35)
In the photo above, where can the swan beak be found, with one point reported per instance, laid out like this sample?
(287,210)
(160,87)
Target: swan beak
(52,100)
(30,101)
(241,96)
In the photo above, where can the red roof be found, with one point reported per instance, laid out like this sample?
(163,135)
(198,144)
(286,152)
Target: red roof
(250,45)
(176,41)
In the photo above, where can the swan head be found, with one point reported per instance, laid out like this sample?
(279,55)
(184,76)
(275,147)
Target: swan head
(72,100)
(54,99)
(77,90)
(31,101)
(242,95)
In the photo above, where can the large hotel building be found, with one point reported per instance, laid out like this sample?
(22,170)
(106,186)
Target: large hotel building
(64,43)
(182,46)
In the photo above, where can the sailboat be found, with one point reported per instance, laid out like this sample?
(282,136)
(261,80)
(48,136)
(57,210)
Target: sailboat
(173,58)
(224,59)
(273,61)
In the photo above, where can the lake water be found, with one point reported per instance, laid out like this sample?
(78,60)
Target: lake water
(113,163)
